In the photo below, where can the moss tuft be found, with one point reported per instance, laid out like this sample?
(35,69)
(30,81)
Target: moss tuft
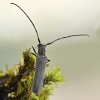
(19,79)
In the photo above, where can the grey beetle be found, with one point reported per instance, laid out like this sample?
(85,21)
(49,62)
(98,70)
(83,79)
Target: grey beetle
(41,58)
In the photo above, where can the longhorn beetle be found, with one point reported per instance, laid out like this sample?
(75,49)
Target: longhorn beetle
(41,58)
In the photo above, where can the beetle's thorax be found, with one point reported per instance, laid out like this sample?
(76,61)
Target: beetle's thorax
(41,49)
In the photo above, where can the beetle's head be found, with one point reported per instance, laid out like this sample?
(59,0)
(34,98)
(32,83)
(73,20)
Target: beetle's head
(41,49)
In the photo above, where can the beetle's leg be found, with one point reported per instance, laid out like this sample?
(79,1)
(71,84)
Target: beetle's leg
(44,81)
(48,60)
(33,53)
(34,50)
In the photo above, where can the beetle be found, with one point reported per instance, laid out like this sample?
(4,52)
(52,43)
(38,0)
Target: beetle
(41,58)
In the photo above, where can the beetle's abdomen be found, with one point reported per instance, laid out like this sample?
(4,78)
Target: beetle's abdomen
(39,74)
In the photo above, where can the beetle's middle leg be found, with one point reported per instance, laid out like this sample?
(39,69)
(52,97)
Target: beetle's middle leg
(34,51)
(48,60)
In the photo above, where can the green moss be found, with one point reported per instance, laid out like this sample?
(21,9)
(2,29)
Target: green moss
(20,82)
(2,73)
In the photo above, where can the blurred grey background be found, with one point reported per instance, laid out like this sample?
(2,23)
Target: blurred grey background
(79,57)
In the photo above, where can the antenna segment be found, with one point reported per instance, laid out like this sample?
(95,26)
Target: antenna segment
(29,20)
(66,37)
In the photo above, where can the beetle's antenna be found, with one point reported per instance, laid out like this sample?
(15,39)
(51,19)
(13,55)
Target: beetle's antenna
(29,20)
(66,37)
